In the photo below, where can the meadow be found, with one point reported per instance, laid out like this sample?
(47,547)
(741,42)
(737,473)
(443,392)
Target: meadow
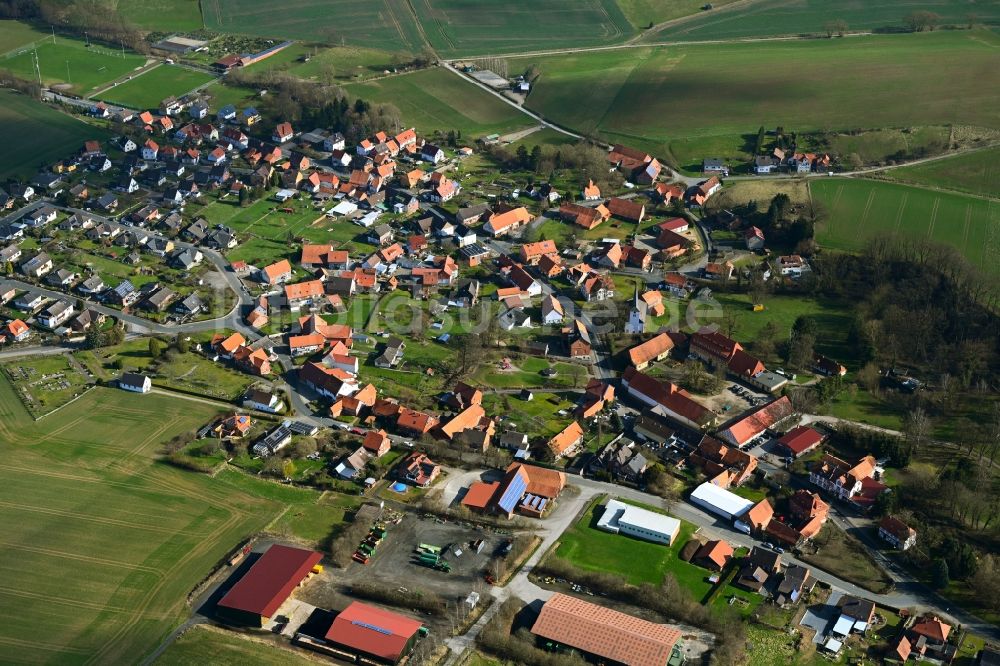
(860,209)
(708,98)
(641,13)
(974,172)
(436,99)
(71,65)
(153,86)
(33,134)
(162,15)
(102,543)
(809,17)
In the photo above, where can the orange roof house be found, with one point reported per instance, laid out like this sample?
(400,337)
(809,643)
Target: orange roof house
(465,420)
(759,515)
(531,253)
(228,346)
(413,421)
(277,272)
(756,422)
(608,634)
(591,192)
(377,442)
(500,224)
(595,397)
(654,301)
(626,209)
(933,629)
(654,349)
(301,291)
(566,441)
(714,555)
(254,361)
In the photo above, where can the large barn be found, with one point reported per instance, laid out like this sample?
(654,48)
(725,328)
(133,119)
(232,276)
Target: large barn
(259,594)
(372,634)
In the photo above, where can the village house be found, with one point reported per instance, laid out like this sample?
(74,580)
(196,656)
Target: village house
(900,535)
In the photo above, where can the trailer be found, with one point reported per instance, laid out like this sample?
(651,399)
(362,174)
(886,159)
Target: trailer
(427,548)
(360,557)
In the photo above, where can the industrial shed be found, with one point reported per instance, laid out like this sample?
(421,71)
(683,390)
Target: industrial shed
(372,635)
(258,595)
(621,518)
(720,501)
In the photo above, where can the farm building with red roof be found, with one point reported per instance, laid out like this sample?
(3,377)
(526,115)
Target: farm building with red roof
(373,634)
(258,595)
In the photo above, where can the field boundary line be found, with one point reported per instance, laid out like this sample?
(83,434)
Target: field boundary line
(84,558)
(73,603)
(65,404)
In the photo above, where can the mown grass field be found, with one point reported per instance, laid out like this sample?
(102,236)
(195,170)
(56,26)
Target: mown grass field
(209,645)
(33,134)
(795,17)
(975,172)
(148,90)
(162,15)
(458,27)
(860,209)
(101,543)
(436,99)
(70,64)
(707,99)
(14,34)
(641,13)
(596,550)
(386,23)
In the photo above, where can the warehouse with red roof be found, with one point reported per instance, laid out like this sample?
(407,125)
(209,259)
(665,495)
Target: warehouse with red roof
(372,634)
(258,595)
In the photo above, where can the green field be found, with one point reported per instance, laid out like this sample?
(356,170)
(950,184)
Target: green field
(707,99)
(436,99)
(33,134)
(102,544)
(344,63)
(70,65)
(860,209)
(643,12)
(209,645)
(794,17)
(14,34)
(385,23)
(975,172)
(458,27)
(148,90)
(162,15)
(46,382)
(596,550)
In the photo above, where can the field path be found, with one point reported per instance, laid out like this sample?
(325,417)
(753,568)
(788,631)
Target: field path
(899,213)
(934,214)
(868,207)
(967,227)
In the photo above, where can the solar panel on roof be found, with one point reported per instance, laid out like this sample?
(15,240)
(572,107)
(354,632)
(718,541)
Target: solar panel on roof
(541,505)
(513,493)
(380,630)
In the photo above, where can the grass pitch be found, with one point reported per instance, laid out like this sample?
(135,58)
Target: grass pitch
(152,87)
(70,65)
(436,99)
(702,95)
(14,34)
(33,134)
(860,209)
(101,543)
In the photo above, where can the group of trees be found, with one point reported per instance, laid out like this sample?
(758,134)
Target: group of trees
(586,159)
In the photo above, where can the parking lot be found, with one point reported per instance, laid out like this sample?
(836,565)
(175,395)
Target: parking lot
(394,563)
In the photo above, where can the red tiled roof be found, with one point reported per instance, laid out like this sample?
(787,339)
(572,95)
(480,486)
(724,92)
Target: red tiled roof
(479,494)
(270,580)
(373,631)
(751,425)
(604,632)
(800,439)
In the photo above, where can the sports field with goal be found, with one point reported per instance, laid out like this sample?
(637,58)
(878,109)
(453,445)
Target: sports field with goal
(69,64)
(860,209)
(102,543)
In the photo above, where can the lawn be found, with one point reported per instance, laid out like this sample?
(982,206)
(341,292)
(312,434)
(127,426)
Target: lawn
(30,128)
(793,17)
(315,523)
(589,548)
(221,94)
(211,645)
(435,99)
(975,173)
(69,64)
(102,544)
(833,320)
(14,34)
(162,15)
(526,373)
(46,382)
(688,102)
(860,209)
(537,417)
(155,85)
(843,556)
